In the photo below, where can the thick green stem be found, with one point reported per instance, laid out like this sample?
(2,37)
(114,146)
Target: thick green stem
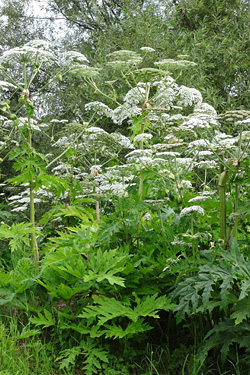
(237,188)
(141,177)
(205,180)
(24,76)
(32,219)
(33,243)
(222,195)
(237,192)
(192,233)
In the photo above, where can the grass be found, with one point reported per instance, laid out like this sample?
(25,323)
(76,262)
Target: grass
(23,357)
(33,356)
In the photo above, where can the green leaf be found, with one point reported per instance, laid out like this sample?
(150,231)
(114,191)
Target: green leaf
(241,310)
(68,357)
(105,276)
(26,332)
(106,309)
(45,320)
(150,305)
(133,328)
(61,291)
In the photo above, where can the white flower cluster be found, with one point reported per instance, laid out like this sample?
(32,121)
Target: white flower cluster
(138,153)
(64,169)
(54,120)
(82,70)
(188,96)
(174,64)
(180,243)
(171,260)
(243,122)
(199,143)
(143,137)
(196,123)
(205,108)
(168,154)
(143,161)
(223,140)
(115,188)
(165,97)
(207,192)
(23,121)
(96,130)
(21,201)
(122,140)
(201,154)
(33,123)
(187,211)
(124,55)
(147,216)
(64,142)
(73,56)
(185,162)
(199,198)
(35,49)
(147,49)
(5,86)
(134,96)
(187,184)
(100,108)
(206,164)
(121,113)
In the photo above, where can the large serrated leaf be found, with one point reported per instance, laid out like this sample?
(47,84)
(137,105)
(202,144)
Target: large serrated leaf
(241,310)
(133,328)
(45,320)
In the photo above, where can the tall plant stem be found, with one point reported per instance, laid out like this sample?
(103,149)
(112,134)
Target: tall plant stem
(237,192)
(192,233)
(222,195)
(141,177)
(237,188)
(33,243)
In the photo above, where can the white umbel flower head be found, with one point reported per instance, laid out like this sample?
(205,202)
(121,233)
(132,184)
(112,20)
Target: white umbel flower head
(122,140)
(32,50)
(147,216)
(75,56)
(200,143)
(147,49)
(100,108)
(199,198)
(5,86)
(135,96)
(143,137)
(139,153)
(187,184)
(189,96)
(207,164)
(187,211)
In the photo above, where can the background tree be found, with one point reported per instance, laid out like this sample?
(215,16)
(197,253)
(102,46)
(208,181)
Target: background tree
(216,35)
(213,33)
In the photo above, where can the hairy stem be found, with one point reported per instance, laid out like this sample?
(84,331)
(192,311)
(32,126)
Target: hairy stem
(33,243)
(222,195)
(141,177)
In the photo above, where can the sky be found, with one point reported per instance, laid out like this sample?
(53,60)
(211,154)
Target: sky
(39,9)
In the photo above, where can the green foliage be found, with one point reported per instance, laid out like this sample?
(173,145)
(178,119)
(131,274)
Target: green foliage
(18,236)
(17,286)
(94,357)
(126,255)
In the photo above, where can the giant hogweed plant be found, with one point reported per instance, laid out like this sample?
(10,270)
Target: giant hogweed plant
(26,64)
(110,284)
(170,151)
(176,134)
